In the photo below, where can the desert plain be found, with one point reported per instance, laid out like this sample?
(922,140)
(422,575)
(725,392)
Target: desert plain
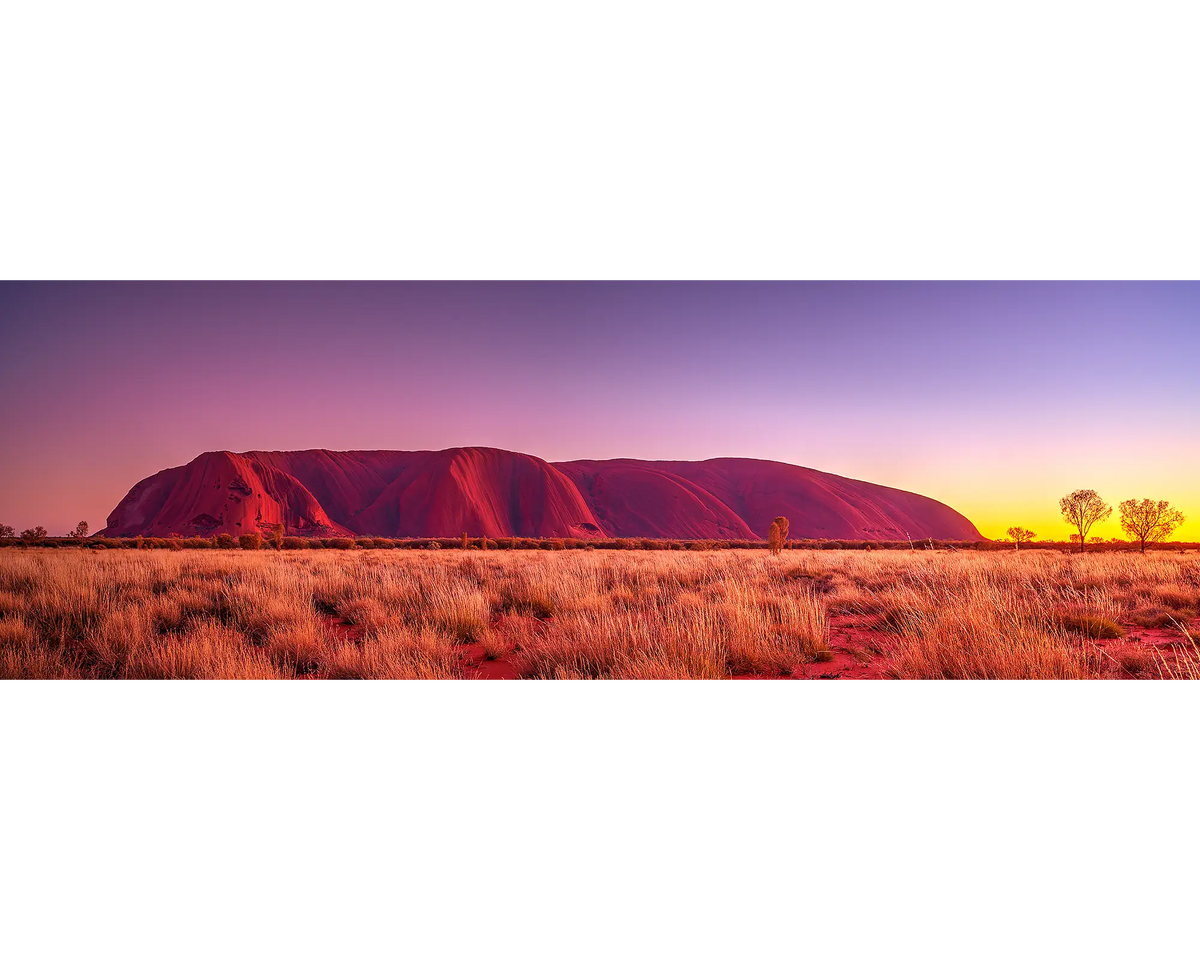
(591,614)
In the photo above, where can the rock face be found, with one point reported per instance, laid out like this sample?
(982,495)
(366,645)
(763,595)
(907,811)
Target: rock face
(736,499)
(219,493)
(495,493)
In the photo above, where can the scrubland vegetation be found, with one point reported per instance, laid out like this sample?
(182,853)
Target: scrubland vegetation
(77,613)
(257,541)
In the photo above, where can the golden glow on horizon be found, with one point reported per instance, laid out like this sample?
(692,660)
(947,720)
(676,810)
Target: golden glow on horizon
(1001,482)
(1047,522)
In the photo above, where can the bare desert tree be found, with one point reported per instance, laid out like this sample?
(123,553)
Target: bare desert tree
(778,534)
(1149,521)
(80,532)
(1020,535)
(1082,509)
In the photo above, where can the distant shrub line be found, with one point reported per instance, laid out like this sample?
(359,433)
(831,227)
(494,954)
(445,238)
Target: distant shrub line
(255,541)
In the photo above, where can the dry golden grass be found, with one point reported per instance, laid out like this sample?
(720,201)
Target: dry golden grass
(585,614)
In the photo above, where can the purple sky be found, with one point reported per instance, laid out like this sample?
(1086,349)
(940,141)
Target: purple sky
(996,398)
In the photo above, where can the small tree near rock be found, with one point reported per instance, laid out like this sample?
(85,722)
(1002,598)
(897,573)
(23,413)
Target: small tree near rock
(1020,535)
(777,535)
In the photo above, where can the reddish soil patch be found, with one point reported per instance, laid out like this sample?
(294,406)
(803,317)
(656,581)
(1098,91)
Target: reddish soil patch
(343,630)
(478,667)
(850,644)
(853,645)
(1141,653)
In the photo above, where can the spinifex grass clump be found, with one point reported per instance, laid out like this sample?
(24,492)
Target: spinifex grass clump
(1091,625)
(457,610)
(1159,618)
(533,599)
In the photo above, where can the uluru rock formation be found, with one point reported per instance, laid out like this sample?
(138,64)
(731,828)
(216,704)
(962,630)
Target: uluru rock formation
(485,492)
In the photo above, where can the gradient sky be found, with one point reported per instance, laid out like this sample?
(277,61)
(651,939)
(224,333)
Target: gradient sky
(995,398)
